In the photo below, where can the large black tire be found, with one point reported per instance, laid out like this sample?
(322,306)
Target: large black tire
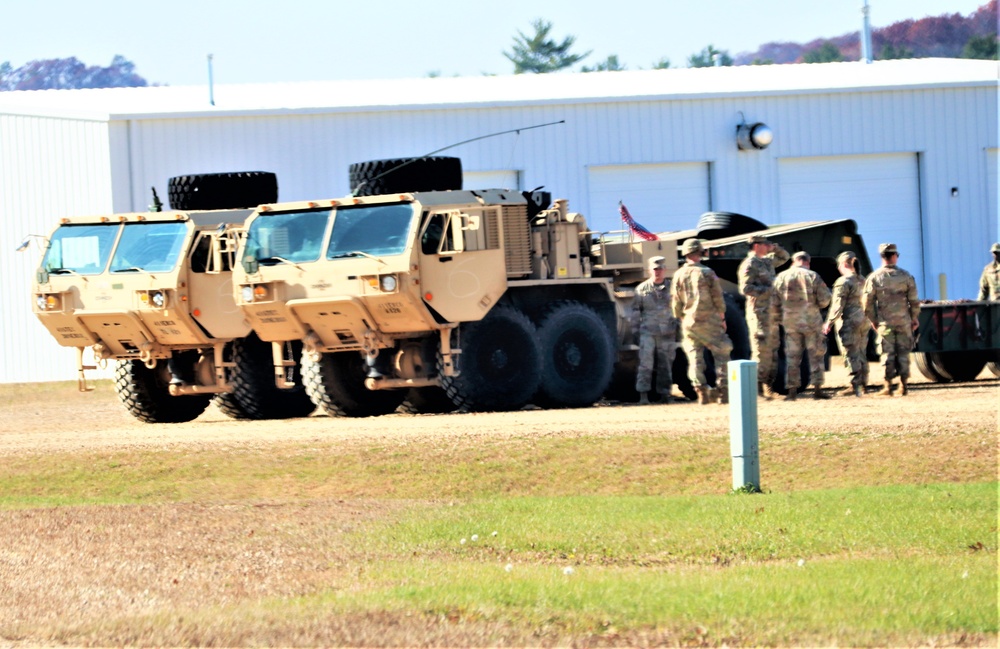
(145,394)
(578,356)
(994,366)
(500,365)
(958,366)
(400,175)
(222,191)
(429,400)
(719,225)
(927,368)
(255,394)
(336,383)
(736,329)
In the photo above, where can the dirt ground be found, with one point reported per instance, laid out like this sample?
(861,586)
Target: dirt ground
(79,575)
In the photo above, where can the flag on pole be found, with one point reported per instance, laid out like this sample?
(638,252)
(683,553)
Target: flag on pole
(634,227)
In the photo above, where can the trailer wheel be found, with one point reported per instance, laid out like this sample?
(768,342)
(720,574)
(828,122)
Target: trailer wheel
(923,363)
(145,394)
(400,175)
(255,395)
(994,366)
(577,356)
(958,366)
(336,383)
(222,191)
(428,400)
(500,364)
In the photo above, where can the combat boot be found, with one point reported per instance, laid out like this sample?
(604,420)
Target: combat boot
(766,391)
(643,398)
(903,391)
(703,394)
(819,395)
(887,390)
(666,397)
(792,393)
(849,391)
(723,395)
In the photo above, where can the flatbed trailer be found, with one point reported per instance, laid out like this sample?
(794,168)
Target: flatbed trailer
(957,339)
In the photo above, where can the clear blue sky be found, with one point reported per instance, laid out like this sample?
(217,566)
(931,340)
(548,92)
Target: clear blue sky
(257,41)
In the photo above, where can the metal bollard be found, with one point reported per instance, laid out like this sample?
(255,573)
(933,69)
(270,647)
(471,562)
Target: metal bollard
(743,424)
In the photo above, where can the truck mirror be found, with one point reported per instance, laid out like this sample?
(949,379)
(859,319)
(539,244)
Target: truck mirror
(250,265)
(216,252)
(42,276)
(470,221)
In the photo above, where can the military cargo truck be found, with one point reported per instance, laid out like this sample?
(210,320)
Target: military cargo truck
(473,299)
(152,293)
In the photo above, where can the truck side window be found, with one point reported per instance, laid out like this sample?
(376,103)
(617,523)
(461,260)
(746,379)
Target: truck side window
(430,242)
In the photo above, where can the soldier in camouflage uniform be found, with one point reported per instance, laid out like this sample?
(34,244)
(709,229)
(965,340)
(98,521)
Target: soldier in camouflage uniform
(890,302)
(989,282)
(851,324)
(697,302)
(656,328)
(801,294)
(756,277)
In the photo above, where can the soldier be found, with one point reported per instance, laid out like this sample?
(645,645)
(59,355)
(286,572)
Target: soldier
(851,324)
(890,303)
(756,277)
(989,282)
(801,294)
(697,302)
(656,328)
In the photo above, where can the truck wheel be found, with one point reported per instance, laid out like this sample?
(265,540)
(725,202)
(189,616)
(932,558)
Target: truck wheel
(926,368)
(719,225)
(402,175)
(336,383)
(255,395)
(145,394)
(429,400)
(958,366)
(500,364)
(222,191)
(577,356)
(994,366)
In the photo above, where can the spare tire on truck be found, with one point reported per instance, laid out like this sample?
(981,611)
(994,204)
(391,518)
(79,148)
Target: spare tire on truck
(222,191)
(719,225)
(402,175)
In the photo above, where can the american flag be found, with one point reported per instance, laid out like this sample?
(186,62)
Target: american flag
(636,229)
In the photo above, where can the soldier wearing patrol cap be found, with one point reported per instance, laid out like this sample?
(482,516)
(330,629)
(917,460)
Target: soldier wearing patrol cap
(989,282)
(697,302)
(891,305)
(756,283)
(656,330)
(848,317)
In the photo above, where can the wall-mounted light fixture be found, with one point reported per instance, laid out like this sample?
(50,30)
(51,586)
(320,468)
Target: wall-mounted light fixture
(954,191)
(753,136)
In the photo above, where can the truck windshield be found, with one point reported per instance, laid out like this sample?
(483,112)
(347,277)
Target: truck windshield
(287,236)
(378,230)
(149,247)
(81,249)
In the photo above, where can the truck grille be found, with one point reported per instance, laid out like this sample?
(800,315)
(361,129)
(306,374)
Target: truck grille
(517,240)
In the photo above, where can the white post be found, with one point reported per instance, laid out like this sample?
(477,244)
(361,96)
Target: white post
(743,424)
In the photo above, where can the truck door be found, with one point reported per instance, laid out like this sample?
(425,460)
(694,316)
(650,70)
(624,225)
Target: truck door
(462,265)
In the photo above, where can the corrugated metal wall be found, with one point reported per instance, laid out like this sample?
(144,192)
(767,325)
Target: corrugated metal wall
(948,128)
(49,168)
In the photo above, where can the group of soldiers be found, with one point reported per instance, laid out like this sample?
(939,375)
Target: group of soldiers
(690,311)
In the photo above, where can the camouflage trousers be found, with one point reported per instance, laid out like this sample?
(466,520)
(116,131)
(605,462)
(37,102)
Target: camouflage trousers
(763,345)
(695,344)
(853,342)
(895,345)
(808,340)
(655,351)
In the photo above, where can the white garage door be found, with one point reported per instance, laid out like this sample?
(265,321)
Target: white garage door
(991,187)
(510,179)
(880,192)
(661,197)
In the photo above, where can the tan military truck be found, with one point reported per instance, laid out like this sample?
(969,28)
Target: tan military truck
(152,293)
(438,298)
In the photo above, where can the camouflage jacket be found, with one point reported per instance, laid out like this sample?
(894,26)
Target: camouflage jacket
(756,277)
(651,310)
(890,297)
(989,282)
(801,295)
(697,298)
(846,303)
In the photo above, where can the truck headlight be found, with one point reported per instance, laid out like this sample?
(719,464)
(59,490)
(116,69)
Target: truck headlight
(40,302)
(47,302)
(158,299)
(388,283)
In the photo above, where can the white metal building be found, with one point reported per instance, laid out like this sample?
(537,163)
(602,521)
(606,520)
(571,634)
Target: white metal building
(906,148)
